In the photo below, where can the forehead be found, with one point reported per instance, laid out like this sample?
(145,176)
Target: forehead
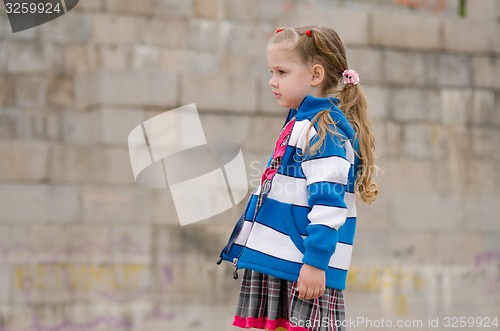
(281,53)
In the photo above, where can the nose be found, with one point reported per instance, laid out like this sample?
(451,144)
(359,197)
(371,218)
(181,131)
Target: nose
(273,82)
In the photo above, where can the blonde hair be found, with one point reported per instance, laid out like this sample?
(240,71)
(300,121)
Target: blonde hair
(323,45)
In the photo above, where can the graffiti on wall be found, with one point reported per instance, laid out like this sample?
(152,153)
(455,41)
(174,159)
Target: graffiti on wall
(59,281)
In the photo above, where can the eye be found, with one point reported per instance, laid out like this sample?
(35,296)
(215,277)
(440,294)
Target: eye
(281,72)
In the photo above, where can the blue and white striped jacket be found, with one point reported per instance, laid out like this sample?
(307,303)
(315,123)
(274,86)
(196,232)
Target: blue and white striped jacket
(309,214)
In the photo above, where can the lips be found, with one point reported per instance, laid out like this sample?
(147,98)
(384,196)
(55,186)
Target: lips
(276,94)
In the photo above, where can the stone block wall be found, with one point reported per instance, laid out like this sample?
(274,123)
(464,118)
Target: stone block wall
(83,247)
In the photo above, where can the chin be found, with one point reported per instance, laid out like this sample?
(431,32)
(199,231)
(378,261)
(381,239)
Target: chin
(284,105)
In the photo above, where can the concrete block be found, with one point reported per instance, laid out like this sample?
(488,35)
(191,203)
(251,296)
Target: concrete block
(117,168)
(76,27)
(114,57)
(449,175)
(429,211)
(378,101)
(404,68)
(80,59)
(374,216)
(487,10)
(173,60)
(415,31)
(405,175)
(80,128)
(5,281)
(350,23)
(462,35)
(237,128)
(497,108)
(207,8)
(30,57)
(456,246)
(486,71)
(163,32)
(24,160)
(145,57)
(456,105)
(203,63)
(116,205)
(3,56)
(255,66)
(143,88)
(7,90)
(483,110)
(60,91)
(449,70)
(131,244)
(219,93)
(413,247)
(9,123)
(129,6)
(173,8)
(73,163)
(425,141)
(30,91)
(15,246)
(485,143)
(480,213)
(39,203)
(116,124)
(388,138)
(489,244)
(45,248)
(368,63)
(370,244)
(480,177)
(110,28)
(208,35)
(28,125)
(246,38)
(410,104)
(163,208)
(264,131)
(4,25)
(242,10)
(84,245)
(277,11)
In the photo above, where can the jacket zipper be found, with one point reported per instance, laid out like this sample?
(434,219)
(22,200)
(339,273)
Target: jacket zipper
(236,259)
(236,231)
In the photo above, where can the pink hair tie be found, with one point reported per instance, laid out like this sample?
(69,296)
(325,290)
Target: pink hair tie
(279,30)
(308,33)
(350,77)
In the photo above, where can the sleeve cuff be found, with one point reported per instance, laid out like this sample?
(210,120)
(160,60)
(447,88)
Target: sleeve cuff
(317,258)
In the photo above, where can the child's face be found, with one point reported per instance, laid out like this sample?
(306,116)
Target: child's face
(291,79)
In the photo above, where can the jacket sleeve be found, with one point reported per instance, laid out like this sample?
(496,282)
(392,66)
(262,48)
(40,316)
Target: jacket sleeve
(326,174)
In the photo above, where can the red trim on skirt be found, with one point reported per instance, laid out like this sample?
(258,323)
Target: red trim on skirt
(264,323)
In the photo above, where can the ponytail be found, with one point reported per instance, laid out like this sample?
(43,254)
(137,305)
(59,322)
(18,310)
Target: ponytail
(353,104)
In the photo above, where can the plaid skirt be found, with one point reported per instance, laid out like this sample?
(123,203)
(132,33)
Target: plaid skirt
(268,302)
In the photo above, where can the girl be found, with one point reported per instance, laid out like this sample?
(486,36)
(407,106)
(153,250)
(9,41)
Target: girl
(295,236)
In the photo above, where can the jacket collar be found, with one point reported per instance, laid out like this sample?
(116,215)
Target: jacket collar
(311,105)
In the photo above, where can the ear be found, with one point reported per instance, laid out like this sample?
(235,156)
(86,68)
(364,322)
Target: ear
(318,74)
